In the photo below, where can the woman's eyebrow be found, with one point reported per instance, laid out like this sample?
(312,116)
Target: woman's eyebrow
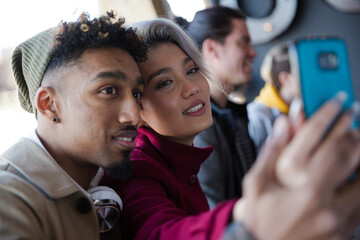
(186,60)
(163,70)
(157,73)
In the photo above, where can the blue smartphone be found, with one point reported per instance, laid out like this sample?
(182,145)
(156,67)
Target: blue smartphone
(323,68)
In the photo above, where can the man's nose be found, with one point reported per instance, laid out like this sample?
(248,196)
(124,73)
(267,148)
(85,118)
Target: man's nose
(252,51)
(129,110)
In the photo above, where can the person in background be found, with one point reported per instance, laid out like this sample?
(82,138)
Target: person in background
(163,198)
(226,48)
(83,84)
(282,86)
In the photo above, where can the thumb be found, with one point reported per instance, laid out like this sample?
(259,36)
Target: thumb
(263,172)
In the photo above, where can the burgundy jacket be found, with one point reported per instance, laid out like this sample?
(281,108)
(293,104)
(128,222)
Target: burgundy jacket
(163,199)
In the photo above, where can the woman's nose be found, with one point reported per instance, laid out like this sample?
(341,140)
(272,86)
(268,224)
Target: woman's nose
(190,88)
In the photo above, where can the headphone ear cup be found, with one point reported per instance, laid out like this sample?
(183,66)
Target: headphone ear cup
(108,206)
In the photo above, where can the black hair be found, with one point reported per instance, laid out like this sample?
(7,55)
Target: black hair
(76,37)
(182,22)
(214,23)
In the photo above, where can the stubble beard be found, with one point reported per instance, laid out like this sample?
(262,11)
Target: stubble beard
(122,170)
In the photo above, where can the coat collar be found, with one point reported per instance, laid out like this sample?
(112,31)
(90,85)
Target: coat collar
(182,159)
(270,97)
(40,169)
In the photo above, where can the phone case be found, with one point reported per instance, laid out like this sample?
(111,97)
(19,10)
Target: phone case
(323,69)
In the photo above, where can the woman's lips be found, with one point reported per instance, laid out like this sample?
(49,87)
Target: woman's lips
(196,108)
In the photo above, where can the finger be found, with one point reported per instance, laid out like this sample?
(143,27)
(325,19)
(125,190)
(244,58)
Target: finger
(337,157)
(311,133)
(347,206)
(296,107)
(296,114)
(295,173)
(298,122)
(321,224)
(263,170)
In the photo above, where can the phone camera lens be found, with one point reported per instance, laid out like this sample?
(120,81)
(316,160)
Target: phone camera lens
(328,61)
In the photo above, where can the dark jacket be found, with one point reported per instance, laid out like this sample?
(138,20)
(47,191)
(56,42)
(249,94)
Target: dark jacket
(221,174)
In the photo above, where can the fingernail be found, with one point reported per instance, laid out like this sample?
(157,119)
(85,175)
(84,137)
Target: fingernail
(295,109)
(340,98)
(355,110)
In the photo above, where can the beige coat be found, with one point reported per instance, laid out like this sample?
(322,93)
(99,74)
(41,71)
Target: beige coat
(39,201)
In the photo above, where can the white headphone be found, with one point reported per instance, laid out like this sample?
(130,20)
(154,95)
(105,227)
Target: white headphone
(108,206)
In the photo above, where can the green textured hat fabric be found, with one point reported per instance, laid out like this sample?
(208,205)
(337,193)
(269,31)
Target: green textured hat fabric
(29,62)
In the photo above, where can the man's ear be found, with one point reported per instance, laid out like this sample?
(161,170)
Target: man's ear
(210,48)
(45,103)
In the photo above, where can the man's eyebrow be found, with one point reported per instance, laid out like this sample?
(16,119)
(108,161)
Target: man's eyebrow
(103,75)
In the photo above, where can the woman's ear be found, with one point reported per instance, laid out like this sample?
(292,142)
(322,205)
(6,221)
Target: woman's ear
(46,105)
(284,79)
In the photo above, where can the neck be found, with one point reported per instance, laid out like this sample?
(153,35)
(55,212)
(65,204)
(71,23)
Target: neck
(219,97)
(183,140)
(80,171)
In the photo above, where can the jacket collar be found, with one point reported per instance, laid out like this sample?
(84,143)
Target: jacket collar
(40,169)
(270,97)
(182,159)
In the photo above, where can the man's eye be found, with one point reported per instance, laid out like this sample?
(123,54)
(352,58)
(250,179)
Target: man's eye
(109,90)
(137,94)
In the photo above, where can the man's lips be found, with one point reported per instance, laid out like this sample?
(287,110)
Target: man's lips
(126,138)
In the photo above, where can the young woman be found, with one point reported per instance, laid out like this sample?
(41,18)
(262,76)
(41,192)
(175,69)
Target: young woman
(281,88)
(163,199)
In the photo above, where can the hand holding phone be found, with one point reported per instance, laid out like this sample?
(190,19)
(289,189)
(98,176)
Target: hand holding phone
(323,68)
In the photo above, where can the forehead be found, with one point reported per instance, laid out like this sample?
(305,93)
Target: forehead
(239,29)
(164,55)
(93,62)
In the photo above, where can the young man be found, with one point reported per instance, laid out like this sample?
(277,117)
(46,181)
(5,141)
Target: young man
(224,40)
(83,84)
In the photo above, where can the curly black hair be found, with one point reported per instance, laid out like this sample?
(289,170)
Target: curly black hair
(76,37)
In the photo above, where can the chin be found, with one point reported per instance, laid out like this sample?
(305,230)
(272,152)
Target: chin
(205,125)
(121,170)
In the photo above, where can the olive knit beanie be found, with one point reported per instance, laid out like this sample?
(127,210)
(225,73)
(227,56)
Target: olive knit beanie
(29,62)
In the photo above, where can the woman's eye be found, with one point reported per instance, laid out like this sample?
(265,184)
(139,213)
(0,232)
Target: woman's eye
(193,70)
(137,94)
(164,83)
(109,90)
